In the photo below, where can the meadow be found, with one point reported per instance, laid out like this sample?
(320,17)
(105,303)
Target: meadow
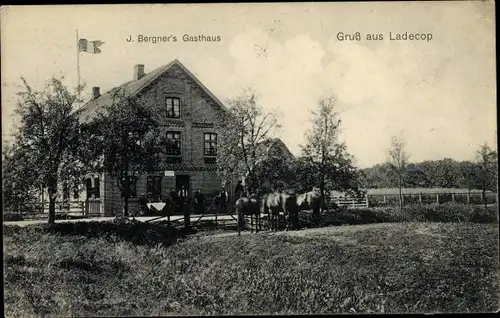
(133,268)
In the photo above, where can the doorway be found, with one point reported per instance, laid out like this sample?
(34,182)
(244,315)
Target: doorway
(182,180)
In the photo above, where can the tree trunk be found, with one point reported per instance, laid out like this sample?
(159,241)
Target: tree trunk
(125,206)
(52,203)
(484,198)
(322,194)
(400,195)
(125,196)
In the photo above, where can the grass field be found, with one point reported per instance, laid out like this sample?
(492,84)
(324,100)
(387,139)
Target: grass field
(399,267)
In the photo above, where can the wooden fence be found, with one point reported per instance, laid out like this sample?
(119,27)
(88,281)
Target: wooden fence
(374,200)
(348,201)
(36,210)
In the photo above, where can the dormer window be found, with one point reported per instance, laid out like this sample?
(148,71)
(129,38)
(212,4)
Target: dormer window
(173,107)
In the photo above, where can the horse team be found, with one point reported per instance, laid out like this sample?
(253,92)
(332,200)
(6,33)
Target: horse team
(274,203)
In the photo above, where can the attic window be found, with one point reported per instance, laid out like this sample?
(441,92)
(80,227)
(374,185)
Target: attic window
(173,107)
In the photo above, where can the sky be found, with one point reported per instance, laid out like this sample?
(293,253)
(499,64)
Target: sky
(440,95)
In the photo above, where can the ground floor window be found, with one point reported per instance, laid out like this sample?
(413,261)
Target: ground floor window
(154,187)
(92,188)
(132,190)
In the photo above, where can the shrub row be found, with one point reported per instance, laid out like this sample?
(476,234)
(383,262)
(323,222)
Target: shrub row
(133,231)
(447,212)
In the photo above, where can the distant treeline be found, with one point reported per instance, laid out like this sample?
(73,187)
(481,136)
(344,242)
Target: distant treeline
(446,173)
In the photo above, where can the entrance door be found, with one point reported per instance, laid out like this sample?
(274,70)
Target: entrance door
(182,180)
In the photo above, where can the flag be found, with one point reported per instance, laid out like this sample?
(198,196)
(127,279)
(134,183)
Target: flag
(89,46)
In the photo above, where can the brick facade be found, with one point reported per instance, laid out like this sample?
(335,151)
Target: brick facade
(200,113)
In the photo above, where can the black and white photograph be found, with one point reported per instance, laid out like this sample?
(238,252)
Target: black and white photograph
(249,159)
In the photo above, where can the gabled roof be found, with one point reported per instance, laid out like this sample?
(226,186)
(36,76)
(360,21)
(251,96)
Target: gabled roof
(133,88)
(269,143)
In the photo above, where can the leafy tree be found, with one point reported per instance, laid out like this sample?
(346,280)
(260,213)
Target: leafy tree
(245,127)
(398,160)
(47,144)
(126,137)
(487,161)
(276,170)
(468,175)
(324,157)
(416,176)
(17,188)
(377,176)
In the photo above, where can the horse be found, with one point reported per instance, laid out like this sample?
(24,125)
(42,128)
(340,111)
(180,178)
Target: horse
(275,202)
(248,205)
(218,203)
(311,200)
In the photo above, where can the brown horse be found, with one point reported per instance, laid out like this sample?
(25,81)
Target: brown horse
(248,206)
(310,200)
(273,203)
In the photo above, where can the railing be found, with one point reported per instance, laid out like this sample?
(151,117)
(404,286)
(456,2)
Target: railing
(348,201)
(392,199)
(38,210)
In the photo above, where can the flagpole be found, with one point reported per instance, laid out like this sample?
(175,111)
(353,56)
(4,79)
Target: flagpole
(78,64)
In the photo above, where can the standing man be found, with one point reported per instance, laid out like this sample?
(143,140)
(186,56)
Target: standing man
(174,198)
(199,202)
(184,203)
(223,200)
(238,191)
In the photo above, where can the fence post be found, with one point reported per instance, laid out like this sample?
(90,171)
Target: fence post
(420,198)
(453,197)
(385,199)
(437,198)
(216,210)
(468,198)
(367,201)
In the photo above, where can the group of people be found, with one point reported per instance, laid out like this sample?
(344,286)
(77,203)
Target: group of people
(180,201)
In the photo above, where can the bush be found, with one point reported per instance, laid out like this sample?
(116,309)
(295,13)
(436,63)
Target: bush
(12,217)
(131,231)
(446,212)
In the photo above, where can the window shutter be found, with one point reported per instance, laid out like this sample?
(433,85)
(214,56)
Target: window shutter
(88,187)
(97,190)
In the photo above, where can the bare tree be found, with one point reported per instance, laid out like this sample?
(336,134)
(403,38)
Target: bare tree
(398,161)
(245,127)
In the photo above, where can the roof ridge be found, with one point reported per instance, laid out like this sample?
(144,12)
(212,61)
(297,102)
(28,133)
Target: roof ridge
(144,82)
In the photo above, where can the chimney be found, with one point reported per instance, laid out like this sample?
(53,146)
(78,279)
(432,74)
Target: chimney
(138,71)
(96,92)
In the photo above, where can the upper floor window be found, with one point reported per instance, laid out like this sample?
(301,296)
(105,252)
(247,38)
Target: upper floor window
(174,143)
(173,107)
(210,144)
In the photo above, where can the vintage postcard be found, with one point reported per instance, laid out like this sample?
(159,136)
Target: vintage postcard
(249,159)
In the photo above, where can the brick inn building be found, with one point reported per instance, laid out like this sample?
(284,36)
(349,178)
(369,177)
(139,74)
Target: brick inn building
(191,117)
